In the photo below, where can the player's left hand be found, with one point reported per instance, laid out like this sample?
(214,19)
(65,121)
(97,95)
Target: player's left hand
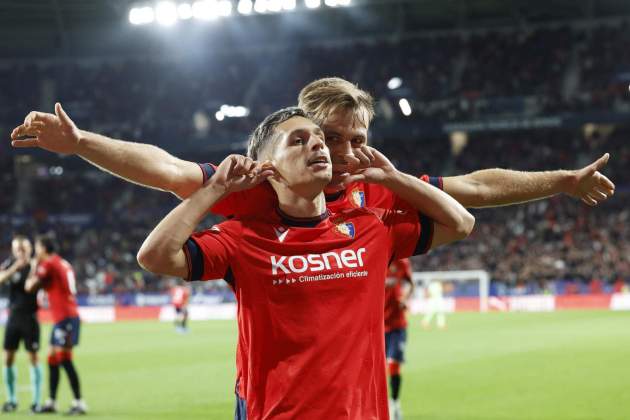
(366,164)
(589,185)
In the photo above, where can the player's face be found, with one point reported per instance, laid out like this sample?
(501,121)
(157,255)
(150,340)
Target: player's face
(344,131)
(301,156)
(21,249)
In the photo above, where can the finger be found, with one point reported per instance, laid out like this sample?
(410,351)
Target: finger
(340,166)
(368,152)
(365,161)
(261,176)
(601,162)
(604,191)
(63,117)
(352,160)
(30,132)
(589,201)
(35,124)
(606,183)
(239,166)
(25,143)
(18,132)
(350,179)
(597,195)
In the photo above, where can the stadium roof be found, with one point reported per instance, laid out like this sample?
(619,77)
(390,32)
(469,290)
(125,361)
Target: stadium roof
(67,27)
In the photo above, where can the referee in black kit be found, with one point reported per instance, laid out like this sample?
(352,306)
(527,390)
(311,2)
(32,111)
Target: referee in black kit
(22,323)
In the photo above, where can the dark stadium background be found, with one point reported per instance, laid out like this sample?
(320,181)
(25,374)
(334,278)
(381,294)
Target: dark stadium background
(533,85)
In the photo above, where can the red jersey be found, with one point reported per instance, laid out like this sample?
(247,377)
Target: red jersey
(309,295)
(358,194)
(395,316)
(180,296)
(57,278)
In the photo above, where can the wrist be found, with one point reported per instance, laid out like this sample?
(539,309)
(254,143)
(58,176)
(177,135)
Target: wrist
(392,178)
(567,181)
(81,142)
(215,188)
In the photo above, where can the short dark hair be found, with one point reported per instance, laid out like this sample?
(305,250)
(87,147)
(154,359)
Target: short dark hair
(264,133)
(48,241)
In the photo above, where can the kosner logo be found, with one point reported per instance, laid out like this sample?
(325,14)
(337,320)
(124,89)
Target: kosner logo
(348,258)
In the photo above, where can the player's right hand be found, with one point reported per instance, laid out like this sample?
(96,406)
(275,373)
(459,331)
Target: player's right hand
(237,173)
(53,132)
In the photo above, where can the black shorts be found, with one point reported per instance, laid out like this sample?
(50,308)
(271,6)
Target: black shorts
(22,327)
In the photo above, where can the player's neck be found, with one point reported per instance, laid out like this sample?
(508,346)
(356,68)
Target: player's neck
(298,206)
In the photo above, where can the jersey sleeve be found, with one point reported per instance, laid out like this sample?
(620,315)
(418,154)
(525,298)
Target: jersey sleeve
(210,252)
(436,181)
(410,232)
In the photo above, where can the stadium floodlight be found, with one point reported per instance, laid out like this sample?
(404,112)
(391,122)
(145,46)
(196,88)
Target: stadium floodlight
(234,111)
(331,3)
(260,6)
(141,15)
(288,4)
(184,11)
(405,107)
(274,5)
(204,10)
(394,83)
(166,13)
(245,7)
(219,116)
(224,8)
(344,2)
(312,4)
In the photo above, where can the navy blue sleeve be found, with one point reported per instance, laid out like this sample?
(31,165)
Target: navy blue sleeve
(194,259)
(207,170)
(436,181)
(426,235)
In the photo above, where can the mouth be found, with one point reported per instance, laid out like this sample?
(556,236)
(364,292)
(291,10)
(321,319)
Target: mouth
(319,161)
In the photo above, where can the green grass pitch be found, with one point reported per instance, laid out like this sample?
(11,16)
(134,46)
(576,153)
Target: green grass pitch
(556,366)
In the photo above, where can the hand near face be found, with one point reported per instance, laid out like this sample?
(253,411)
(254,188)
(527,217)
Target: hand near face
(238,173)
(365,164)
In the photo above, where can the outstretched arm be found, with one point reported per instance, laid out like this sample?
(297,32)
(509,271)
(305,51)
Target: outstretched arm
(501,187)
(140,163)
(452,221)
(162,251)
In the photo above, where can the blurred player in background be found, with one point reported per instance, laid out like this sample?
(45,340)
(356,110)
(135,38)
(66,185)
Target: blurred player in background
(56,276)
(180,296)
(435,306)
(399,289)
(22,324)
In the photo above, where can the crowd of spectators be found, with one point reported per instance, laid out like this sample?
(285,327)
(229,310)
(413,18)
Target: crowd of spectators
(449,77)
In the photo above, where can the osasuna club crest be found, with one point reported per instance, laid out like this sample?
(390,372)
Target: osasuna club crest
(345,229)
(358,198)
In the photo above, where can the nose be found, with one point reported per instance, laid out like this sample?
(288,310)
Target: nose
(317,143)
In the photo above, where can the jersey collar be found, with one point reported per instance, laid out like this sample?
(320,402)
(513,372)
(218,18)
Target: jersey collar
(302,221)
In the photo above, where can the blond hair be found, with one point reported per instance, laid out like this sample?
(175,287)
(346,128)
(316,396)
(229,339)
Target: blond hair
(324,97)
